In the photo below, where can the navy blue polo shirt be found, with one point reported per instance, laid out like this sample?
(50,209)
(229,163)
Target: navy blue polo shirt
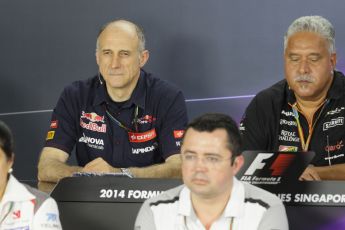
(152,122)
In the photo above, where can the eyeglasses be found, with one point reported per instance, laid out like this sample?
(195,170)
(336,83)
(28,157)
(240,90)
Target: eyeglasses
(210,161)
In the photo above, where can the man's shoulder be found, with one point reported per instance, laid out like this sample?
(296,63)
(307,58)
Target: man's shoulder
(83,84)
(82,88)
(254,194)
(168,197)
(40,197)
(159,86)
(274,92)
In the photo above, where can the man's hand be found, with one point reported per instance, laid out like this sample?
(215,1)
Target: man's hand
(100,166)
(309,174)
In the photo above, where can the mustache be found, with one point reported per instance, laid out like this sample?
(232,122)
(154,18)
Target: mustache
(305,78)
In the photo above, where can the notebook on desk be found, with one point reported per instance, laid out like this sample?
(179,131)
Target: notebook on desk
(267,167)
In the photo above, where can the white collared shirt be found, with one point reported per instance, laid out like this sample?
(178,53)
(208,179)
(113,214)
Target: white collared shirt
(249,208)
(23,209)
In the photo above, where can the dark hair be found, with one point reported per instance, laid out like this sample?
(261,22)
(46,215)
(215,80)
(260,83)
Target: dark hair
(6,140)
(212,121)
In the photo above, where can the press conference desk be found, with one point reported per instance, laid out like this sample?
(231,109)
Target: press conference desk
(113,202)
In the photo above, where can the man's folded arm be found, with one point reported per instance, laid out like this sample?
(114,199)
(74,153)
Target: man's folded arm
(333,172)
(52,165)
(171,168)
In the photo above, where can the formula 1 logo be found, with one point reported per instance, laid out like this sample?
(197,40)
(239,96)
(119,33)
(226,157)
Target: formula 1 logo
(278,167)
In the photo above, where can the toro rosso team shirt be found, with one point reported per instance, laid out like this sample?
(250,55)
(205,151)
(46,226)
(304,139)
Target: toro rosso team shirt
(142,131)
(271,123)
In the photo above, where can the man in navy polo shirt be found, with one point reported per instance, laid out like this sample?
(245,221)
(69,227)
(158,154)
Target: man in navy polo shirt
(123,119)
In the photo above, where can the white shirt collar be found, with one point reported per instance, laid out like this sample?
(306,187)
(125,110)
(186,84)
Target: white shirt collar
(234,207)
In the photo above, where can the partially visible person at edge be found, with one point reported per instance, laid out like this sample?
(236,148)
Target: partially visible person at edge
(306,110)
(121,120)
(211,197)
(22,207)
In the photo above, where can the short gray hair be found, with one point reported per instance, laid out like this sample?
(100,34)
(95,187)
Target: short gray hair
(316,24)
(138,29)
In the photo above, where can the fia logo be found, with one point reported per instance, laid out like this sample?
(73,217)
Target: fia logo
(278,167)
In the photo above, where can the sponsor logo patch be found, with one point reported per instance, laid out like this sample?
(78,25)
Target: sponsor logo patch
(143,150)
(332,148)
(95,143)
(93,126)
(287,113)
(93,117)
(16,214)
(289,123)
(50,135)
(284,148)
(146,119)
(54,124)
(242,127)
(288,136)
(335,111)
(334,122)
(178,134)
(51,217)
(334,156)
(142,137)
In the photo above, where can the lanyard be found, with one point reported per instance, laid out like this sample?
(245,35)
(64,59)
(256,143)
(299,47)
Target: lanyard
(120,124)
(305,144)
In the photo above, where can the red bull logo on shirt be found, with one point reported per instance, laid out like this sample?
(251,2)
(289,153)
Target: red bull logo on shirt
(93,126)
(146,119)
(93,117)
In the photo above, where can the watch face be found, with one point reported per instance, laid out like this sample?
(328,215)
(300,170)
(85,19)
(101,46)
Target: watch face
(127,172)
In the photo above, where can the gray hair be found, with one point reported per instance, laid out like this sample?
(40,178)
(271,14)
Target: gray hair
(316,24)
(138,30)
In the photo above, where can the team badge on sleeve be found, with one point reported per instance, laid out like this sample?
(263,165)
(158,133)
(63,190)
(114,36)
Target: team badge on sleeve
(50,135)
(178,134)
(54,124)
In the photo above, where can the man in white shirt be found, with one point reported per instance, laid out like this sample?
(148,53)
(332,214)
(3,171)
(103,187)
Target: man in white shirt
(211,197)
